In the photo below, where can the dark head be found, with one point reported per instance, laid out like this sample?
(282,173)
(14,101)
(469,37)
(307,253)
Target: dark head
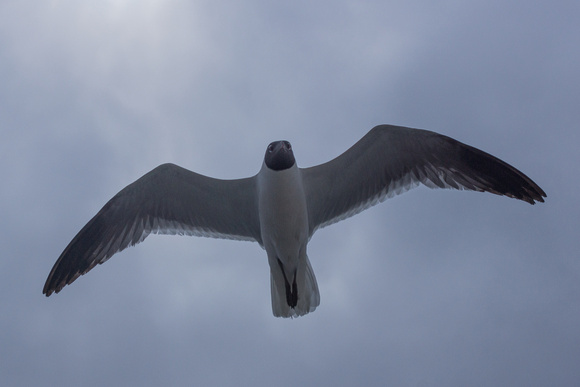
(279,156)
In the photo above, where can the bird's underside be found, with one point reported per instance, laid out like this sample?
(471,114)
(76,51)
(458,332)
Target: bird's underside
(389,160)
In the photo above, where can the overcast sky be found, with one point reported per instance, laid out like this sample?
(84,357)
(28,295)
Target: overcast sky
(431,288)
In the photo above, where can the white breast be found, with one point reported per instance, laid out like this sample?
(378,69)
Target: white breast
(283,213)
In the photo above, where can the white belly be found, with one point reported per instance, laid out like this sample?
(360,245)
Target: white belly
(283,214)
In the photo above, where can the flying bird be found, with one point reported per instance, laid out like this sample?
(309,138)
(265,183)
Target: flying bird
(283,205)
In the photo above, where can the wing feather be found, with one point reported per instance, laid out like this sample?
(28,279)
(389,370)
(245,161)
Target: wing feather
(167,200)
(390,160)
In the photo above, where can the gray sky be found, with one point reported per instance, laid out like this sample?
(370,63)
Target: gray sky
(430,288)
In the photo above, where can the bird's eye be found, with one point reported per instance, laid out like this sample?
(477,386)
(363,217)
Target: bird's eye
(288,146)
(270,148)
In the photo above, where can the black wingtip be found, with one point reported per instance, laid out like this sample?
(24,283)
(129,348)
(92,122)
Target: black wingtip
(499,177)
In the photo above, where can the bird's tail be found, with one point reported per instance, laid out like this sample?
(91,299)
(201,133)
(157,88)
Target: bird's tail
(296,298)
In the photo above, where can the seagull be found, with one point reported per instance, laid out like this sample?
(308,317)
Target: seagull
(283,205)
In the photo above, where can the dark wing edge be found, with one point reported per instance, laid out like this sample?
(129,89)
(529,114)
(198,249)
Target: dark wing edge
(167,200)
(405,157)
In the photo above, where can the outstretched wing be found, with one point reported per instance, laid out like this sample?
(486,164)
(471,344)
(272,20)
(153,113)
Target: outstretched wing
(390,160)
(167,200)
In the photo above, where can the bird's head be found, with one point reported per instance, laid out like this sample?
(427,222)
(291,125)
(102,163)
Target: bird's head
(279,156)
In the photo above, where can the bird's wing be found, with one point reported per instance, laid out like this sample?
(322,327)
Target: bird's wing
(390,160)
(167,200)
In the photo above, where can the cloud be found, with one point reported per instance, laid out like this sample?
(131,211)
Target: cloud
(430,288)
